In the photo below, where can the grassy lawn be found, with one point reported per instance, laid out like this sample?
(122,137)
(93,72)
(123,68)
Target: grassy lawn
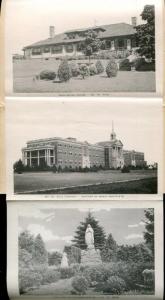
(61,287)
(126,81)
(100,182)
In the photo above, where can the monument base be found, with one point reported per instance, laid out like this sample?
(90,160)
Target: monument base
(90,257)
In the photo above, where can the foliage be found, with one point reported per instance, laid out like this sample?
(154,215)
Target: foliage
(64,72)
(145,33)
(54,258)
(25,259)
(40,254)
(92,70)
(125,65)
(99,234)
(67,272)
(28,278)
(84,70)
(111,68)
(54,169)
(75,71)
(125,169)
(47,75)
(149,229)
(115,285)
(141,65)
(73,254)
(50,276)
(80,284)
(99,67)
(134,253)
(26,241)
(109,252)
(91,44)
(94,274)
(18,167)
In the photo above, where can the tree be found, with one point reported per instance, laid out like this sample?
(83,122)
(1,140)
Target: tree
(91,43)
(99,234)
(73,254)
(26,241)
(109,252)
(18,167)
(149,228)
(145,33)
(54,258)
(40,254)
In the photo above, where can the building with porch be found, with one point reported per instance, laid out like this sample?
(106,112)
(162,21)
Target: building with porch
(73,154)
(116,37)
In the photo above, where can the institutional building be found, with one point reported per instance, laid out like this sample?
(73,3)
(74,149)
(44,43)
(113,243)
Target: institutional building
(117,37)
(74,154)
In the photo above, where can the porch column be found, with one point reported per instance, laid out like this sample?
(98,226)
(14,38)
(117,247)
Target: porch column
(38,159)
(30,159)
(112,45)
(23,157)
(128,44)
(48,157)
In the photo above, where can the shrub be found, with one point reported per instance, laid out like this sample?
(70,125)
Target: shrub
(28,278)
(92,70)
(114,285)
(111,68)
(99,67)
(125,65)
(67,272)
(125,169)
(64,72)
(84,70)
(18,167)
(75,71)
(94,274)
(50,276)
(54,169)
(80,285)
(47,75)
(141,65)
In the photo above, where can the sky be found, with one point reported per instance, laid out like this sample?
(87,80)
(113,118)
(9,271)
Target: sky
(137,123)
(28,21)
(57,226)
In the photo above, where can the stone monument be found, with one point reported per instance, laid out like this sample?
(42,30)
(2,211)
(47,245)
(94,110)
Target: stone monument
(90,255)
(64,261)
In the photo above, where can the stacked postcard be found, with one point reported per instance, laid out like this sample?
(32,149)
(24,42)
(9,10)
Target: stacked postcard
(84,148)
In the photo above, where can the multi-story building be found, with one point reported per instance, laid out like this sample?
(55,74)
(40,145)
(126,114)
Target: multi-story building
(74,154)
(116,37)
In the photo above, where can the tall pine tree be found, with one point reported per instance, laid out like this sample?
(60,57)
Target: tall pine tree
(40,253)
(109,253)
(149,228)
(99,234)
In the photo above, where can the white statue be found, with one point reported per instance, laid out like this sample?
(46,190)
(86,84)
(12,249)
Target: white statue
(64,261)
(89,237)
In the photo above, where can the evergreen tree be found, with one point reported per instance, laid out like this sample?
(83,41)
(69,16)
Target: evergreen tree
(40,254)
(145,33)
(109,252)
(26,241)
(18,167)
(99,234)
(149,228)
(91,43)
(54,258)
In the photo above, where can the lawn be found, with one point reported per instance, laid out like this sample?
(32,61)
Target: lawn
(100,182)
(126,81)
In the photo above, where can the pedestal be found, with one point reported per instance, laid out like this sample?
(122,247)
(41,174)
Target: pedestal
(90,257)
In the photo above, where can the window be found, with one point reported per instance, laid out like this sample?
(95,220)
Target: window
(57,49)
(108,44)
(36,51)
(46,50)
(69,48)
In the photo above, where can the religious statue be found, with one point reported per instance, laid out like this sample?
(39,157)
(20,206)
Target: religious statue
(64,261)
(89,237)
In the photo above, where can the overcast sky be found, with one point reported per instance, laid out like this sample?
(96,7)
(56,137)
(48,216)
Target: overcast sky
(28,21)
(137,123)
(57,226)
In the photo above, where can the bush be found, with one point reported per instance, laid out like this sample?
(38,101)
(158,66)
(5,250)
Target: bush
(125,169)
(54,169)
(141,65)
(84,70)
(75,71)
(67,272)
(80,285)
(99,67)
(47,75)
(18,167)
(92,70)
(28,278)
(64,72)
(94,274)
(50,276)
(111,68)
(125,65)
(114,285)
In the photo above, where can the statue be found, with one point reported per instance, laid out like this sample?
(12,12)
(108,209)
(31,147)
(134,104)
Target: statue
(89,237)
(64,261)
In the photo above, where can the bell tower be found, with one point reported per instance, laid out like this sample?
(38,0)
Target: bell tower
(113,134)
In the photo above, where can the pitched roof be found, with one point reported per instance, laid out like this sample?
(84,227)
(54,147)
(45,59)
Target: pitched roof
(111,30)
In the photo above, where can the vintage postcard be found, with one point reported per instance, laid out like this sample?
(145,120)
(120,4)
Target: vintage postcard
(86,148)
(106,250)
(74,48)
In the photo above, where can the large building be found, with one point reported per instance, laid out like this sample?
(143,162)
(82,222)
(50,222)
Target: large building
(117,37)
(74,154)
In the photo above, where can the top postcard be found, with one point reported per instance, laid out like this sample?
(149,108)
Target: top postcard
(80,48)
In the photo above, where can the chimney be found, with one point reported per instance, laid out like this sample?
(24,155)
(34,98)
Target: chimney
(51,32)
(134,21)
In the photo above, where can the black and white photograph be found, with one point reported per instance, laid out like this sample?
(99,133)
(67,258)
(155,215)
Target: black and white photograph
(83,48)
(77,147)
(86,252)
